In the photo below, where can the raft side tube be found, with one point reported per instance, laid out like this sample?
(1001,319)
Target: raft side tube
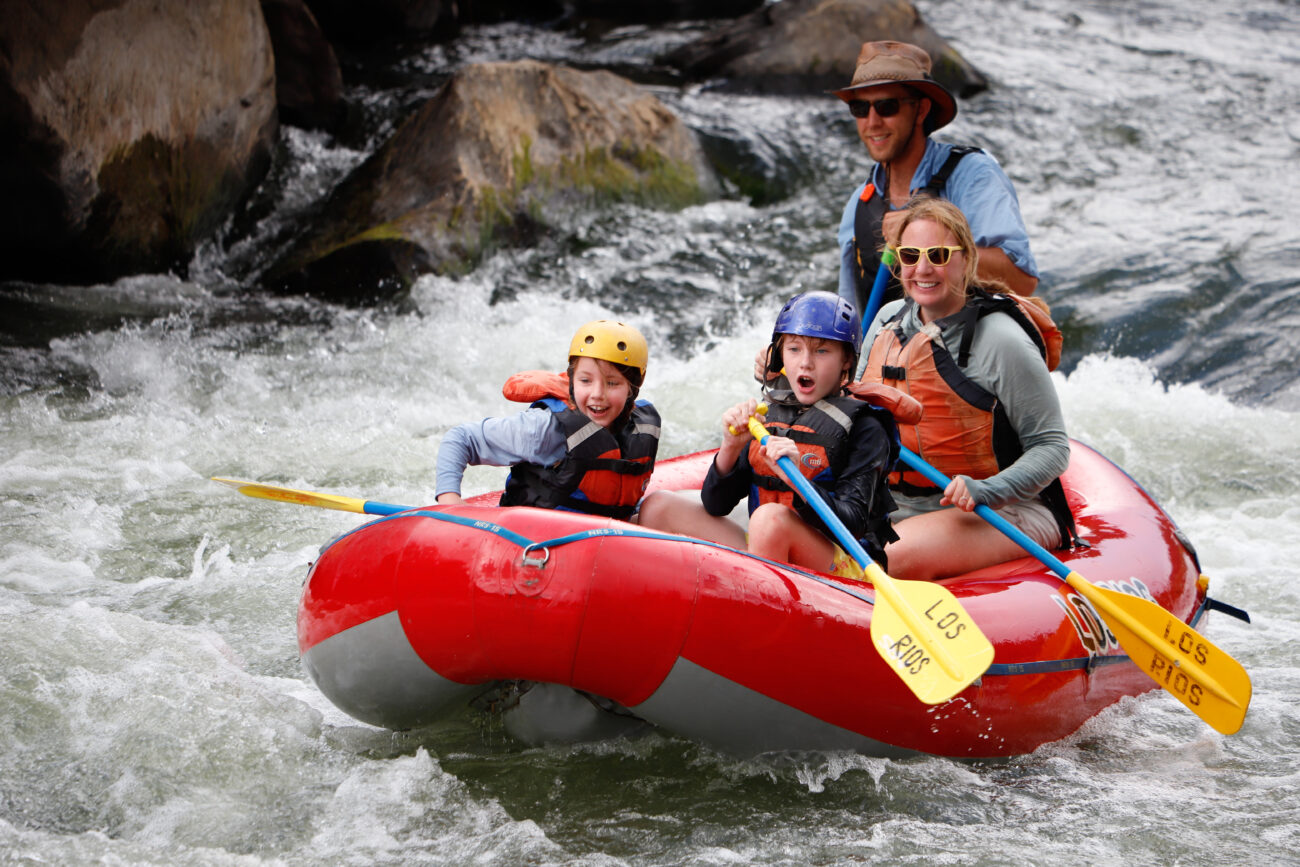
(606,614)
(351,581)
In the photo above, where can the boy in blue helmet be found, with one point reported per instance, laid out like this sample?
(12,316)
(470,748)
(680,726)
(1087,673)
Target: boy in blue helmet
(845,446)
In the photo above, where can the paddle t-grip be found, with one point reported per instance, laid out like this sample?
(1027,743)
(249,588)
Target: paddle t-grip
(761,409)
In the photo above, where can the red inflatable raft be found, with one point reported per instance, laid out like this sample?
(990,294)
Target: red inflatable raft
(582,627)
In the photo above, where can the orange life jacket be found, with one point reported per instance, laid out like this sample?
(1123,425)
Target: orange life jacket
(965,431)
(957,437)
(529,386)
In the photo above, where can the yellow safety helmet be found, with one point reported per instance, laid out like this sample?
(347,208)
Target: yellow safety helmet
(611,341)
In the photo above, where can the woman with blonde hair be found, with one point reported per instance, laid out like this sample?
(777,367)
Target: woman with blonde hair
(977,358)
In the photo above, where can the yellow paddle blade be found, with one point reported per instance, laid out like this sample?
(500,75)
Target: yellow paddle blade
(1212,684)
(926,637)
(289,495)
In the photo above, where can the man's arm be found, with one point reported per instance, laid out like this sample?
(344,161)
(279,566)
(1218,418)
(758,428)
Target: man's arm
(986,196)
(994,264)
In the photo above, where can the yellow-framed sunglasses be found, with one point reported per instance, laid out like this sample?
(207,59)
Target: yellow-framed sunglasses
(937,256)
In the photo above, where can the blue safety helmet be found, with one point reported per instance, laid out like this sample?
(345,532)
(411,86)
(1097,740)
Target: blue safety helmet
(820,314)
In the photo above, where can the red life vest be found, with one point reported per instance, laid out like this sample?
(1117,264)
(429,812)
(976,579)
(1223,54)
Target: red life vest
(821,432)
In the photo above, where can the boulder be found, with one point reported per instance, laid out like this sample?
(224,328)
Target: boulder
(808,46)
(308,81)
(132,128)
(497,156)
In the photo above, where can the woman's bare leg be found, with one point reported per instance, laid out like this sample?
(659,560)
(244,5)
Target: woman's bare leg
(947,542)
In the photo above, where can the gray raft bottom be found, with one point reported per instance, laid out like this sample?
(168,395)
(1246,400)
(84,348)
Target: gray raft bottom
(372,673)
(697,703)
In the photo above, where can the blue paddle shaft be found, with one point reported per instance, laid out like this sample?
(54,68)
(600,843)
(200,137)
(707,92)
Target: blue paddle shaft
(877,292)
(1012,532)
(374,507)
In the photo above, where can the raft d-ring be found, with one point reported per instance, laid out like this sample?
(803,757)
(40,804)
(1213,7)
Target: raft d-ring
(538,562)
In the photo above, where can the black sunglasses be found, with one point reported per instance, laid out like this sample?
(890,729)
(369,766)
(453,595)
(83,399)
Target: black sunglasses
(888,107)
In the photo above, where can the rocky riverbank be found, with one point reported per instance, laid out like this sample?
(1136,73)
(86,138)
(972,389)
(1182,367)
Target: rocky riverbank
(135,131)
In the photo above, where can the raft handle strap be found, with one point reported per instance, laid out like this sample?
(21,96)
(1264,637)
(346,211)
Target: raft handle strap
(1215,605)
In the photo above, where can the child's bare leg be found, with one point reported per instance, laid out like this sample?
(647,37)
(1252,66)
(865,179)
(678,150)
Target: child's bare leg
(776,532)
(674,513)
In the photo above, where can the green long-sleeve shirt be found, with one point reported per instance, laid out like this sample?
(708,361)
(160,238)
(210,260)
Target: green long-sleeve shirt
(1004,361)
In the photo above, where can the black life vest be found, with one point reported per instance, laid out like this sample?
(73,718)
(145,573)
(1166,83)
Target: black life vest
(868,222)
(600,474)
(821,431)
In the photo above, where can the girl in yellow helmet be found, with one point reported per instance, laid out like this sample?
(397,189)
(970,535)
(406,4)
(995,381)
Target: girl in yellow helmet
(586,443)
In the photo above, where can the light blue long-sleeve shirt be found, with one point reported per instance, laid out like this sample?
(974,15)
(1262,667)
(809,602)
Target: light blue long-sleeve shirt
(978,186)
(533,436)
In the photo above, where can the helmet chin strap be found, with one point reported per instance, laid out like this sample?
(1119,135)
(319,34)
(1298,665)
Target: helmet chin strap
(774,394)
(625,416)
(773,361)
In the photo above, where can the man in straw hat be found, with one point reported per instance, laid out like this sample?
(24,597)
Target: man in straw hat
(897,105)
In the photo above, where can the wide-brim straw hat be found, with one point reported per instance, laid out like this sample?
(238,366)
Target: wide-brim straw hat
(901,63)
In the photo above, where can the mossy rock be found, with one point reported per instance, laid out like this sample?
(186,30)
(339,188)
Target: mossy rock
(493,158)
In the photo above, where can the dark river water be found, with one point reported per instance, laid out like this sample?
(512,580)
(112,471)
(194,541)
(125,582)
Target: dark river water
(152,707)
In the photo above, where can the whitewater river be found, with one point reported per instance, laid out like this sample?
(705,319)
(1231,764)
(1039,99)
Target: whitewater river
(152,706)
